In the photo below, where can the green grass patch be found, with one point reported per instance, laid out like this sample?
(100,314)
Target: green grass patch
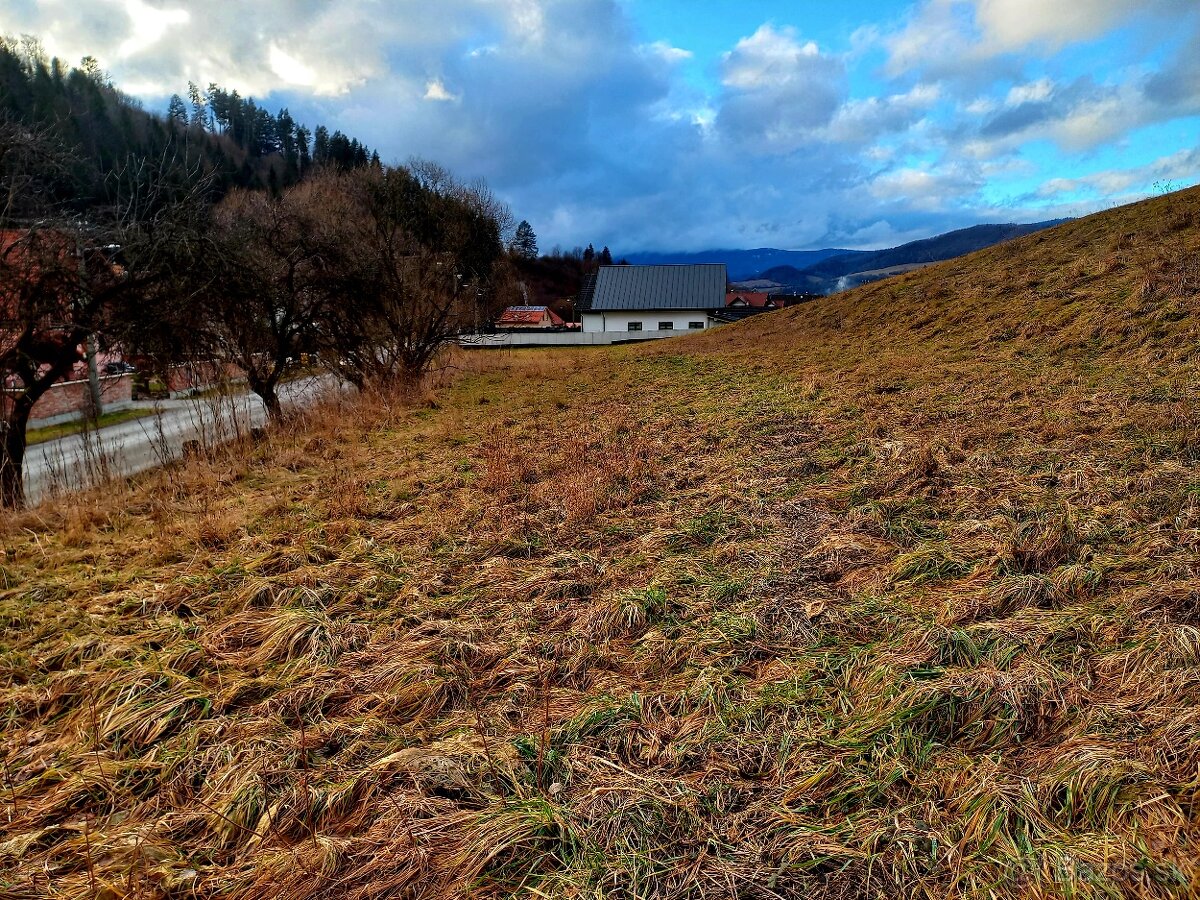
(54,432)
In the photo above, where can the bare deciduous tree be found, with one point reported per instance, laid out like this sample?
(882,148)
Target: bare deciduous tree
(68,282)
(475,193)
(282,262)
(428,263)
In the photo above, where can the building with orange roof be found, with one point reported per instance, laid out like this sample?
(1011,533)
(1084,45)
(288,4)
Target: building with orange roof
(530,317)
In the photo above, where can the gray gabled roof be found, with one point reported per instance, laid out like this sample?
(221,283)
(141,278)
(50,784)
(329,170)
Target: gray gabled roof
(660,287)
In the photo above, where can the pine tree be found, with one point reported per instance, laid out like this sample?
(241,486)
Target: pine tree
(320,153)
(264,139)
(303,136)
(199,106)
(218,106)
(285,132)
(177,113)
(525,242)
(605,257)
(90,67)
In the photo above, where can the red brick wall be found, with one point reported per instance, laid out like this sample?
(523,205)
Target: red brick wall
(71,397)
(201,375)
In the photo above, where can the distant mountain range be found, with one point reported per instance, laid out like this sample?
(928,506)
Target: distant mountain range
(847,270)
(827,271)
(742,264)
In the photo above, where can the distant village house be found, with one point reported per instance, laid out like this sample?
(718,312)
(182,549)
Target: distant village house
(653,301)
(530,317)
(620,304)
(751,300)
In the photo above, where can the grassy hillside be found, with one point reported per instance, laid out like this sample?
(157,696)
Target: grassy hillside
(893,594)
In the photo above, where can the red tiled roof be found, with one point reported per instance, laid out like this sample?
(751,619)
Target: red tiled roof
(753,299)
(529,315)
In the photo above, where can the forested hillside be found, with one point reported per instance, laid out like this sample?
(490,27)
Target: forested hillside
(232,140)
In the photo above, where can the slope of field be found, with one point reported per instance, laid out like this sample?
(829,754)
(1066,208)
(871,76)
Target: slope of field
(895,594)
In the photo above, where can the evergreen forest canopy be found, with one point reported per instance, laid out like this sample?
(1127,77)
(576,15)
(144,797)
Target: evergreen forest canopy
(232,140)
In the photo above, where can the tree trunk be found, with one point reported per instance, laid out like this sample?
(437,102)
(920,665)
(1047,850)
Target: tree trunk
(267,391)
(96,409)
(270,399)
(12,455)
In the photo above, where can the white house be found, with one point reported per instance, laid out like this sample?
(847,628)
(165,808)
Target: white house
(640,302)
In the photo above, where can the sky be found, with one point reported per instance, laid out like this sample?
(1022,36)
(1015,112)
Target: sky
(682,125)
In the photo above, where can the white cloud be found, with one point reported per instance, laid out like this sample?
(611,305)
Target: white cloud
(768,58)
(291,69)
(155,48)
(954,36)
(1174,170)
(927,188)
(1076,117)
(527,20)
(1029,92)
(864,120)
(937,36)
(778,91)
(436,90)
(666,52)
(149,25)
(1008,25)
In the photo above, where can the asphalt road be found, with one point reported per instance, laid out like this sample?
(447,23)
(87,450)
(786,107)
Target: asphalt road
(80,460)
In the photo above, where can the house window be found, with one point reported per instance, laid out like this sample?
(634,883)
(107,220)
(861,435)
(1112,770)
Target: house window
(666,326)
(695,325)
(635,326)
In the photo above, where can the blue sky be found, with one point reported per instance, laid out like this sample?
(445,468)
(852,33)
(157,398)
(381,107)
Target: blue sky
(672,125)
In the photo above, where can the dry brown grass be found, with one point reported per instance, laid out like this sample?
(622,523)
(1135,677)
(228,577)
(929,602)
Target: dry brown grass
(895,594)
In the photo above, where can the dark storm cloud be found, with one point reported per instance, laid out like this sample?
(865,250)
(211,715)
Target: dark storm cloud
(596,136)
(1178,84)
